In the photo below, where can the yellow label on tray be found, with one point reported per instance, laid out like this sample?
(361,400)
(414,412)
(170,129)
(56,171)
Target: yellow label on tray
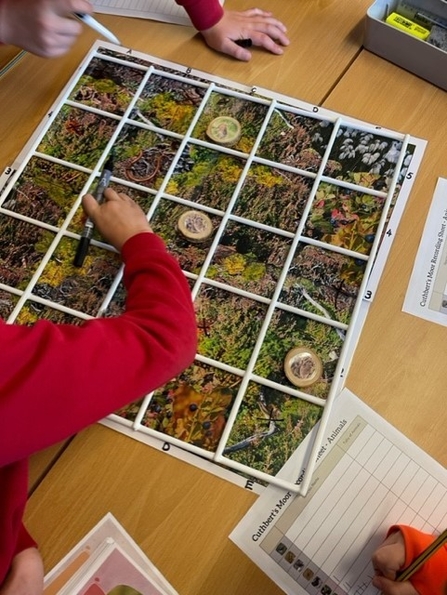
(400,22)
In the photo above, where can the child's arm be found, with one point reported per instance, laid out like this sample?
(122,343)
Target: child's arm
(221,28)
(402,545)
(57,379)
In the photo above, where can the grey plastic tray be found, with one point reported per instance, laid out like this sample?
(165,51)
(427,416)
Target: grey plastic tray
(411,53)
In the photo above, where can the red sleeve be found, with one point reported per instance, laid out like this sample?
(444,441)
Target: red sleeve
(431,578)
(24,540)
(203,13)
(13,536)
(57,379)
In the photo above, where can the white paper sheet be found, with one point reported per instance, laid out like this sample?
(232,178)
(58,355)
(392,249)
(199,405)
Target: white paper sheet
(426,295)
(157,10)
(369,477)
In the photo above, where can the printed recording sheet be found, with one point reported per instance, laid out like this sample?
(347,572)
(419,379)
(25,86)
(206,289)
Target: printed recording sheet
(427,291)
(368,477)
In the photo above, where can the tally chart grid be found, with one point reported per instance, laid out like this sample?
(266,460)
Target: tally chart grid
(273,106)
(373,483)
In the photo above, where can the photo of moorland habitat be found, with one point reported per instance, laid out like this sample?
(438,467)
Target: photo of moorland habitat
(288,330)
(8,302)
(117,304)
(249,114)
(143,156)
(22,248)
(228,325)
(344,217)
(189,254)
(272,212)
(295,140)
(269,426)
(33,311)
(274,197)
(365,158)
(323,282)
(45,191)
(80,288)
(249,258)
(206,177)
(194,407)
(107,86)
(168,103)
(77,136)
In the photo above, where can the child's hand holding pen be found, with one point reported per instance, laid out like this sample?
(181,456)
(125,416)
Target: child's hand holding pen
(43,27)
(411,562)
(388,560)
(118,217)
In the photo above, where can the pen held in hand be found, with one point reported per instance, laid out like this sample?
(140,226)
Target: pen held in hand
(408,572)
(244,43)
(97,26)
(87,232)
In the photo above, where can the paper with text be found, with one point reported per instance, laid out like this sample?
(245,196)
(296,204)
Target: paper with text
(426,295)
(369,477)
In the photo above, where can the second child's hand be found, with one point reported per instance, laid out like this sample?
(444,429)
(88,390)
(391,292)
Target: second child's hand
(256,25)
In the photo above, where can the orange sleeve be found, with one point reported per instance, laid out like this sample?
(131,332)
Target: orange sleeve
(431,578)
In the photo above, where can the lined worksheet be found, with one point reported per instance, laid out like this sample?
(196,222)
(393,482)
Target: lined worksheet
(368,478)
(158,10)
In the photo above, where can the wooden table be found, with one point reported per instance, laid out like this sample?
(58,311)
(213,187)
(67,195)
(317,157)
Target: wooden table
(180,515)
(398,365)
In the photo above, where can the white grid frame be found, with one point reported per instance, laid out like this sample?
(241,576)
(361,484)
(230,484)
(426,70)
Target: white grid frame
(273,103)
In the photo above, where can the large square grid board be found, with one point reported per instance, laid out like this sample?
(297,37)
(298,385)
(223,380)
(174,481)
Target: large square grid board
(298,204)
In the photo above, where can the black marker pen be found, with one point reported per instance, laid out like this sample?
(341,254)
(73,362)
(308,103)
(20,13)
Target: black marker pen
(244,43)
(89,226)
